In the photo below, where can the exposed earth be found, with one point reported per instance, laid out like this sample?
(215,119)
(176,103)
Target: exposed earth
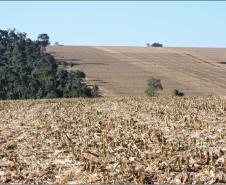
(124,71)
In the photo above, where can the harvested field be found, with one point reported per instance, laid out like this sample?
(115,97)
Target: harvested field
(114,140)
(122,71)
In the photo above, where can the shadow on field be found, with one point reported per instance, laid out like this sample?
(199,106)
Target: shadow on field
(100,81)
(77,62)
(92,63)
(222,62)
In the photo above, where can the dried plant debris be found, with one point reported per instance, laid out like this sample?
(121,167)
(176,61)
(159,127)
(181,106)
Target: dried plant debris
(114,140)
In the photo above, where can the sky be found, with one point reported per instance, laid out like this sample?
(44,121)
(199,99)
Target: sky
(132,23)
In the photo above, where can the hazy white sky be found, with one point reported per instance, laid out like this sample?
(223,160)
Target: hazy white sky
(197,24)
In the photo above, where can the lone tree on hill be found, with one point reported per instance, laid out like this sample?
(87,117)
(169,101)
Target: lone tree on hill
(156,45)
(154,86)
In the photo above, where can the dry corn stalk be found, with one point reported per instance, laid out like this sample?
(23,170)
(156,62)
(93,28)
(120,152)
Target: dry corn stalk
(113,140)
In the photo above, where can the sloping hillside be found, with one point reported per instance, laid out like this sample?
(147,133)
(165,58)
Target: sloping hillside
(125,70)
(113,140)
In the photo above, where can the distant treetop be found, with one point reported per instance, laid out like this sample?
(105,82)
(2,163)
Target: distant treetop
(43,39)
(156,45)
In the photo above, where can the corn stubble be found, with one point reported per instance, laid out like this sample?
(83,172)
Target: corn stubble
(114,140)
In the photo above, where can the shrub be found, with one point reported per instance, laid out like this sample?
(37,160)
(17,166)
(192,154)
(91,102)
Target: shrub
(154,86)
(176,92)
(95,91)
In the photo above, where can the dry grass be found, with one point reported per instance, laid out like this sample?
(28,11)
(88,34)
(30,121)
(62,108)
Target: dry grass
(125,70)
(113,140)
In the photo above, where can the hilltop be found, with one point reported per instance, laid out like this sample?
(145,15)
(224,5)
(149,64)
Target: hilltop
(124,71)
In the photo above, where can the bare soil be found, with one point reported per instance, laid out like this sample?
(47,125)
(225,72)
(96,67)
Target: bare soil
(124,71)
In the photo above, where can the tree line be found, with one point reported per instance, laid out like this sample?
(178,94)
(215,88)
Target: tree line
(26,71)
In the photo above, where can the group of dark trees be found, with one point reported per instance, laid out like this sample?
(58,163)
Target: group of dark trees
(26,71)
(154,45)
